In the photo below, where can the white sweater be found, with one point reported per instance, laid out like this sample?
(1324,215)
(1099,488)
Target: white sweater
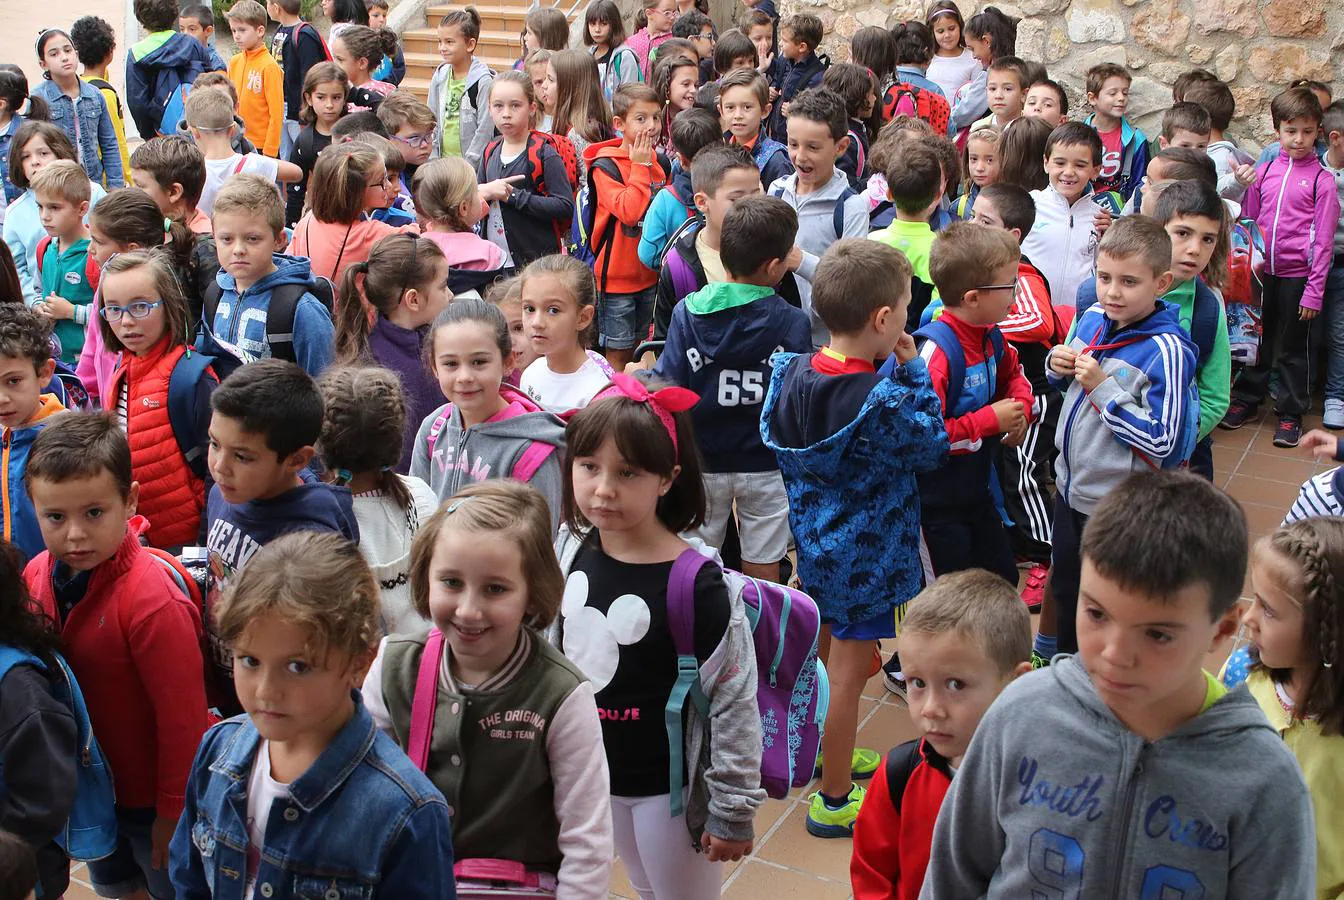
(385,534)
(1063,242)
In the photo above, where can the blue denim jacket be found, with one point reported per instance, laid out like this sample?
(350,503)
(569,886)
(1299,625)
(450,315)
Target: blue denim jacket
(12,191)
(362,823)
(97,146)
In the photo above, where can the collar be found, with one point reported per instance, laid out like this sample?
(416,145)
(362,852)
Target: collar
(1181,293)
(522,651)
(830,362)
(1126,129)
(934,758)
(720,296)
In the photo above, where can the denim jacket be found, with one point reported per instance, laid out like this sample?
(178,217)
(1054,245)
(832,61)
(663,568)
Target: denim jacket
(363,822)
(12,191)
(99,152)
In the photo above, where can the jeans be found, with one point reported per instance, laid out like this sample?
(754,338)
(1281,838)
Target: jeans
(1334,330)
(128,868)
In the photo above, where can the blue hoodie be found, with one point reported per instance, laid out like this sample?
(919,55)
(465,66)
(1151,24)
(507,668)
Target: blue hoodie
(157,66)
(719,344)
(670,207)
(241,322)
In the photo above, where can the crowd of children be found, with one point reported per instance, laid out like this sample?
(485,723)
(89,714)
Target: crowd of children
(370,460)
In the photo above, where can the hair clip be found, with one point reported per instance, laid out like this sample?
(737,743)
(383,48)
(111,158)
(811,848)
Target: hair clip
(343,476)
(452,507)
(167,225)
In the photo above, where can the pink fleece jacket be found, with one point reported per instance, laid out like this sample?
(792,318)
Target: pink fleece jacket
(1295,204)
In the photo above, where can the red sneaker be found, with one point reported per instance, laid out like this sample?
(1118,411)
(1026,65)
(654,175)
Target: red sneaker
(1034,590)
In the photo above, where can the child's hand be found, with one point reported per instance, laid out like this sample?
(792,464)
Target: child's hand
(720,850)
(500,188)
(783,107)
(1101,221)
(641,149)
(1088,372)
(1010,415)
(159,836)
(765,65)
(1062,359)
(905,349)
(1245,174)
(1321,444)
(1306,313)
(56,307)
(1015,437)
(795,258)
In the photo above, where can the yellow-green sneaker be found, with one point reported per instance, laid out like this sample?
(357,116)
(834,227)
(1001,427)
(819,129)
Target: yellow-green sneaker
(826,822)
(862,764)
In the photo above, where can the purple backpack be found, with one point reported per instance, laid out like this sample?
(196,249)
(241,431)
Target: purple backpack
(792,691)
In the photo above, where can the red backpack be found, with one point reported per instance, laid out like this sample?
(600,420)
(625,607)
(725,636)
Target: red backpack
(92,271)
(905,99)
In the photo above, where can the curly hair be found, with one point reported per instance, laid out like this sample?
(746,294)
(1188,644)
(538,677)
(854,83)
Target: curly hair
(363,426)
(23,625)
(94,40)
(24,334)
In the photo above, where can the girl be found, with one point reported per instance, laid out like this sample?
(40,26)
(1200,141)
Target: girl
(1294,668)
(325,90)
(982,168)
(405,282)
(144,318)
(634,484)
(344,14)
(486,429)
(545,28)
(507,296)
(953,65)
(14,97)
(79,108)
(655,23)
(448,201)
(914,52)
(483,570)
(524,221)
(858,88)
(363,430)
(35,144)
(581,112)
(348,181)
(676,80)
(604,36)
(538,69)
(1022,153)
(559,303)
(38,741)
(989,35)
(359,50)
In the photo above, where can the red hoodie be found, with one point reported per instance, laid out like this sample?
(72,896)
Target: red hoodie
(628,200)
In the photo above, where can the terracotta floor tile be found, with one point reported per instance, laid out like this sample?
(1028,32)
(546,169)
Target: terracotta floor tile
(1248,489)
(1263,519)
(792,846)
(889,726)
(1277,465)
(757,880)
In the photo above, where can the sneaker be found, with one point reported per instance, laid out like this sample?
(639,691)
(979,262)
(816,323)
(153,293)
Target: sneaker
(863,764)
(1033,592)
(891,677)
(1334,415)
(1289,432)
(825,822)
(1237,414)
(1038,661)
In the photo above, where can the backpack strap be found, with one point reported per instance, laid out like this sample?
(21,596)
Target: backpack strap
(42,244)
(425,701)
(1204,321)
(946,340)
(681,625)
(608,235)
(838,214)
(280,310)
(532,460)
(601,362)
(899,765)
(683,279)
(437,428)
(241,162)
(187,372)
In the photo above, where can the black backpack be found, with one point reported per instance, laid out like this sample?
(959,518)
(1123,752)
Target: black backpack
(280,312)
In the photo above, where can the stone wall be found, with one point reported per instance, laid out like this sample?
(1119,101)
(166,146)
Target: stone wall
(1257,48)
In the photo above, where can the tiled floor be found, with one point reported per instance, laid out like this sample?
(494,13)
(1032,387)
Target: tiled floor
(788,863)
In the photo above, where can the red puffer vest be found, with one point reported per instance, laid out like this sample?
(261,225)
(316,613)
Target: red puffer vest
(172,498)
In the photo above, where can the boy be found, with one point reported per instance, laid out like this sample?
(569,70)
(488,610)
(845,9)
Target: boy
(393,211)
(297,47)
(1128,378)
(624,174)
(68,275)
(218,81)
(393,68)
(719,345)
(914,186)
(249,231)
(459,92)
(1332,125)
(1006,90)
(199,22)
(744,102)
(798,69)
(1156,781)
(1236,167)
(1124,156)
(841,430)
(967,629)
(266,418)
(172,172)
(130,635)
(159,64)
(1186,125)
(410,125)
(258,78)
(1294,201)
(828,208)
(693,131)
(857,86)
(26,367)
(210,120)
(762,29)
(1047,100)
(698,28)
(1070,216)
(1324,97)
(95,41)
(734,50)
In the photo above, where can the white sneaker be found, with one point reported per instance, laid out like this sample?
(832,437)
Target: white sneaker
(1334,415)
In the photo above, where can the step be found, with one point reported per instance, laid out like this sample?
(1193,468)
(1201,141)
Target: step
(502,17)
(498,60)
(491,38)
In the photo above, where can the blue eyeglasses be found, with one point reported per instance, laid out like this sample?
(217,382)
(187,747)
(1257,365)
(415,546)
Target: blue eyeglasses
(137,310)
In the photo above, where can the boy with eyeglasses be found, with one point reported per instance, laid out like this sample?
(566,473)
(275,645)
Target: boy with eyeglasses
(410,126)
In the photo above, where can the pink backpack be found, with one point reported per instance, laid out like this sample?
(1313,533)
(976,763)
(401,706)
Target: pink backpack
(524,467)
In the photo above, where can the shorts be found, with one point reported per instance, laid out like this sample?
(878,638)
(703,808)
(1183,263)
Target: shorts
(762,511)
(883,625)
(623,319)
(128,869)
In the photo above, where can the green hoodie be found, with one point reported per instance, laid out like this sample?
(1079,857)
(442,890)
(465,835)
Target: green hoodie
(720,295)
(1213,377)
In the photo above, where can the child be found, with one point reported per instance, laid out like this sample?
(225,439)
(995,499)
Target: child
(160,64)
(953,64)
(744,103)
(530,196)
(1236,167)
(68,279)
(298,47)
(828,208)
(798,69)
(762,29)
(95,42)
(199,22)
(302,620)
(1124,155)
(405,282)
(659,17)
(359,50)
(144,317)
(674,80)
(172,172)
(989,35)
(698,28)
(1128,378)
(857,86)
(389,208)
(78,107)
(718,345)
(349,182)
(604,36)
(548,808)
(674,205)
(544,28)
(363,431)
(486,429)
(623,515)
(559,305)
(1323,95)
(26,366)
(914,185)
(14,100)
(1006,90)
(214,81)
(249,227)
(964,641)
(1332,124)
(210,119)
(410,126)
(624,175)
(1144,734)
(581,113)
(460,91)
(448,202)
(538,69)
(1047,100)
(506,295)
(325,88)
(344,14)
(130,635)
(1289,665)
(819,409)
(915,52)
(393,67)
(982,168)
(1294,202)
(873,48)
(257,77)
(1186,125)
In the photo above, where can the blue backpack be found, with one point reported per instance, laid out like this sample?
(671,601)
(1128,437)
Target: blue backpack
(91,832)
(946,340)
(190,369)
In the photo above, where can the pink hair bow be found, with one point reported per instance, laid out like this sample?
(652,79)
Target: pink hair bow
(663,402)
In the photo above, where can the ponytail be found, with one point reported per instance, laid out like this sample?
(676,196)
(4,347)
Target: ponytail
(396,264)
(352,321)
(14,91)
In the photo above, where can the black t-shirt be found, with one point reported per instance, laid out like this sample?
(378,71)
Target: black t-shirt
(619,638)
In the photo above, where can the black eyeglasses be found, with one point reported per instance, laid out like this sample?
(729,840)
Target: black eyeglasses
(1010,286)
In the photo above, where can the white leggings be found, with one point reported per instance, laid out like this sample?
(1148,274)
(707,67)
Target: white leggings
(656,849)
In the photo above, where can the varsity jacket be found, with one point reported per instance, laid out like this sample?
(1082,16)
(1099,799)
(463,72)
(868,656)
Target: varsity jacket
(1063,241)
(894,830)
(1133,161)
(1295,204)
(474,122)
(20,518)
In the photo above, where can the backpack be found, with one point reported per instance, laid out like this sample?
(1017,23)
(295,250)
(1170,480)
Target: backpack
(92,271)
(280,310)
(792,691)
(946,340)
(187,372)
(1242,295)
(899,765)
(1205,319)
(905,99)
(837,215)
(564,148)
(584,244)
(91,831)
(298,30)
(174,111)
(68,388)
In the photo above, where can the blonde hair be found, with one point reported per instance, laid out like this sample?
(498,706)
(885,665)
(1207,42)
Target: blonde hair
(249,12)
(504,509)
(402,108)
(441,186)
(209,110)
(160,265)
(65,179)
(340,176)
(251,194)
(978,605)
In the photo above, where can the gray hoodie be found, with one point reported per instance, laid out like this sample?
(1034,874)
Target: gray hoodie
(1057,798)
(474,123)
(1226,157)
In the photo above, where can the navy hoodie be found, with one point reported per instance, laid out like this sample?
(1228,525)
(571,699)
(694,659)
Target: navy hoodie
(155,67)
(793,78)
(719,345)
